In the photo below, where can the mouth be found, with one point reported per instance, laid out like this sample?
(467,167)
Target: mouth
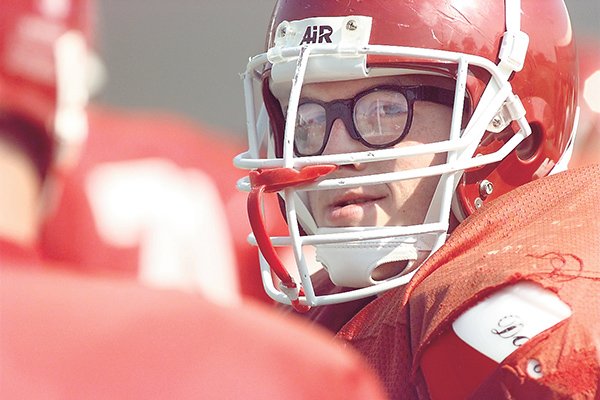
(353,209)
(354,199)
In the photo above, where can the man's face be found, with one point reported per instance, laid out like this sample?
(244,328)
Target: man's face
(386,204)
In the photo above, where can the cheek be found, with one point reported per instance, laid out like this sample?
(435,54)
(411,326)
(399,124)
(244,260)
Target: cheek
(410,200)
(431,123)
(415,162)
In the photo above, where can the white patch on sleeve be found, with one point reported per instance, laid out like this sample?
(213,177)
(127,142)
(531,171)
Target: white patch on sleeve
(500,324)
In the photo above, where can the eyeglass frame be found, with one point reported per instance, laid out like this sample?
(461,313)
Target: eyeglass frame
(344,109)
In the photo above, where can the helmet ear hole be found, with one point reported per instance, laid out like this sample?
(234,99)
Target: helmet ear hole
(527,149)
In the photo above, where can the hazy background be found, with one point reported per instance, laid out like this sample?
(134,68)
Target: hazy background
(186,55)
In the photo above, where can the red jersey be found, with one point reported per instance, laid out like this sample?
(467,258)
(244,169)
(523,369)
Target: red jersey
(547,233)
(13,254)
(153,197)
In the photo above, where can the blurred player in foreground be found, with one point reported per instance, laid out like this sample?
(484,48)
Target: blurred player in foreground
(113,195)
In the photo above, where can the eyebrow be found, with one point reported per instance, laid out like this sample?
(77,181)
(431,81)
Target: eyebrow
(443,82)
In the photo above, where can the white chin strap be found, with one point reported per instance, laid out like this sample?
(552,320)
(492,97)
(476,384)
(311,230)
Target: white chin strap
(351,264)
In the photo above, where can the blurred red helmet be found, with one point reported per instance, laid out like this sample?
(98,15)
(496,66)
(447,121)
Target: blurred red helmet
(588,49)
(43,58)
(587,145)
(515,103)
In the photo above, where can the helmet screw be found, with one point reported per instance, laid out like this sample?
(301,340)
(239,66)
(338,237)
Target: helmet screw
(351,25)
(534,369)
(478,203)
(486,188)
(496,121)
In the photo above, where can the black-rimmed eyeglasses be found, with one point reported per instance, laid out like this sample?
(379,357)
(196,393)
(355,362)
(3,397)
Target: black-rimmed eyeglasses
(378,117)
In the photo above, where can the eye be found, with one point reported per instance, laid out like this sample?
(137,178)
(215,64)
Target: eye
(383,109)
(310,128)
(382,103)
(310,114)
(381,116)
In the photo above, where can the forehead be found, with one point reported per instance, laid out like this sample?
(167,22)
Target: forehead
(328,91)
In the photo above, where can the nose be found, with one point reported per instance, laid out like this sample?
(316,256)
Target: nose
(340,142)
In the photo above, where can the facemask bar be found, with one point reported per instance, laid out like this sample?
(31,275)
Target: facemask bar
(70,120)
(459,149)
(70,123)
(459,159)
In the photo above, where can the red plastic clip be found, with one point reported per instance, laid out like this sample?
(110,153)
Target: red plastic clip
(274,180)
(277,179)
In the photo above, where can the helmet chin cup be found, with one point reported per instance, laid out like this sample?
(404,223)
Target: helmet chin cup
(353,264)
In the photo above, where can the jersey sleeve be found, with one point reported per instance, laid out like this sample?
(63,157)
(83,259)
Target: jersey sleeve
(545,235)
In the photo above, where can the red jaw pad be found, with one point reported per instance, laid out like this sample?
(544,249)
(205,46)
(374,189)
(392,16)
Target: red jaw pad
(277,179)
(273,180)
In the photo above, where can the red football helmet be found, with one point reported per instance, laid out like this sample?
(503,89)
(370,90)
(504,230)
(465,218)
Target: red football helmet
(514,114)
(43,59)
